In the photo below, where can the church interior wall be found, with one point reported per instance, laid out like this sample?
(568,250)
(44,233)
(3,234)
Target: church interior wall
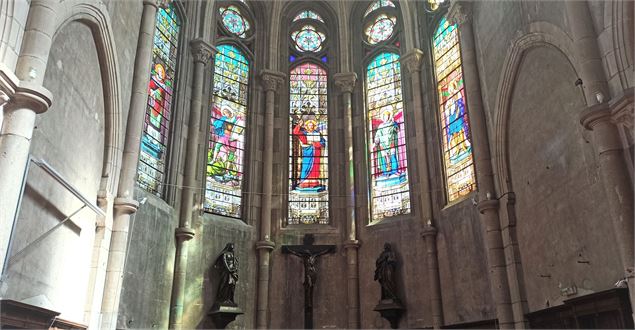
(52,268)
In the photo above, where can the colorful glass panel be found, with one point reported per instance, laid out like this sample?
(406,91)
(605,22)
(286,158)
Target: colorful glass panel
(308,14)
(234,21)
(381,29)
(154,139)
(457,145)
(378,4)
(225,152)
(308,149)
(308,39)
(388,160)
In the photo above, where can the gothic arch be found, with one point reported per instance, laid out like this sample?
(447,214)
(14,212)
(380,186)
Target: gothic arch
(540,34)
(95,16)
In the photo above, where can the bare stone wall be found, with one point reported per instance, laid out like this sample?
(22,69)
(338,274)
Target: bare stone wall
(70,137)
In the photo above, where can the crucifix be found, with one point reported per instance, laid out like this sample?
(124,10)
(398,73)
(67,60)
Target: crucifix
(309,254)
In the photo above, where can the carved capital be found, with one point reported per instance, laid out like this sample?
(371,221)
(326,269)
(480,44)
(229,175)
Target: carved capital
(345,81)
(201,51)
(594,115)
(412,60)
(623,110)
(272,80)
(460,12)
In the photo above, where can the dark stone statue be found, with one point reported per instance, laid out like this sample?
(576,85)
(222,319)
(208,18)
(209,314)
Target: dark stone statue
(227,263)
(385,273)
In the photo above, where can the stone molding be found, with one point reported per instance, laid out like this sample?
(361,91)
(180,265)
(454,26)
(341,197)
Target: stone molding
(125,205)
(412,60)
(272,80)
(201,51)
(429,230)
(345,81)
(352,244)
(595,115)
(460,12)
(623,110)
(17,94)
(185,234)
(487,204)
(266,244)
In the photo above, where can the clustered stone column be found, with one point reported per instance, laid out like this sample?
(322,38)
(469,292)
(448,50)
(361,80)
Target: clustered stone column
(271,81)
(460,13)
(26,98)
(201,54)
(124,204)
(597,118)
(412,61)
(346,82)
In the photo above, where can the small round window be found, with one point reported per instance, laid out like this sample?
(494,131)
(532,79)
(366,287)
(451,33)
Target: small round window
(233,21)
(308,39)
(381,29)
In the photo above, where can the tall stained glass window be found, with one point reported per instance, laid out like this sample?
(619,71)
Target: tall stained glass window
(308,148)
(154,140)
(387,133)
(227,126)
(458,159)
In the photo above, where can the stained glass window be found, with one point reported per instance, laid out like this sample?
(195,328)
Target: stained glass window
(154,140)
(308,149)
(308,39)
(381,29)
(387,132)
(308,14)
(457,146)
(234,21)
(378,4)
(227,132)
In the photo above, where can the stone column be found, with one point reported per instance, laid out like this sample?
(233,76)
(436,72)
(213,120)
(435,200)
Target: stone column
(460,13)
(346,83)
(606,140)
(412,61)
(272,81)
(201,54)
(27,98)
(124,204)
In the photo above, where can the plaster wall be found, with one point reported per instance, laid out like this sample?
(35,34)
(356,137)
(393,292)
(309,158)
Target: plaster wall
(54,271)
(563,218)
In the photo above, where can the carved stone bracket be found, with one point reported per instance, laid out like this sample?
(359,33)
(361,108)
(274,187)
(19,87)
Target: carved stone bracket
(201,50)
(272,80)
(412,60)
(345,81)
(460,12)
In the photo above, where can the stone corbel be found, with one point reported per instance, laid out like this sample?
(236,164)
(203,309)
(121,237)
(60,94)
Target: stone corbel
(345,81)
(272,80)
(15,94)
(412,60)
(460,12)
(201,51)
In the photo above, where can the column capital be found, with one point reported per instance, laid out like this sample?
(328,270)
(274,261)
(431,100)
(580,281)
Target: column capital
(201,50)
(272,80)
(184,233)
(265,244)
(460,12)
(487,204)
(125,205)
(16,94)
(351,244)
(157,3)
(345,81)
(412,60)
(594,115)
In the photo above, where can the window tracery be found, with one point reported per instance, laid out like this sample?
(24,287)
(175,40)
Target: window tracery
(156,127)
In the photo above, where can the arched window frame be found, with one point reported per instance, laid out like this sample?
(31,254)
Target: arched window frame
(245,45)
(371,50)
(435,17)
(325,58)
(163,191)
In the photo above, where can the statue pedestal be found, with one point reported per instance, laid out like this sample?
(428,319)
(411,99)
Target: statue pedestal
(391,310)
(224,314)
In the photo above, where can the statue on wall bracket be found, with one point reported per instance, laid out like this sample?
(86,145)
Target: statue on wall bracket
(389,306)
(225,310)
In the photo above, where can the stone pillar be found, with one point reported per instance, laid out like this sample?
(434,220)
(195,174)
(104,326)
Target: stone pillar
(124,204)
(508,317)
(346,83)
(606,140)
(412,61)
(201,54)
(27,98)
(272,81)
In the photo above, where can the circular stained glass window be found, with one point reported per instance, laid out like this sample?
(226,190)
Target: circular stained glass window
(234,21)
(308,39)
(381,29)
